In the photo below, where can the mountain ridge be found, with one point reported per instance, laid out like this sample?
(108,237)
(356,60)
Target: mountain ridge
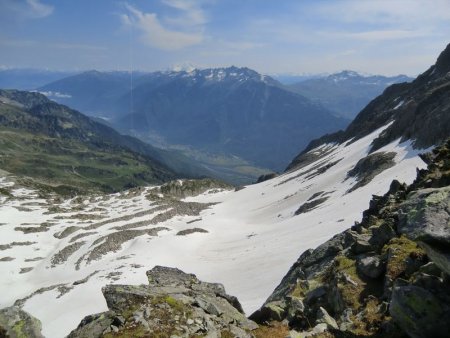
(408,106)
(346,92)
(57,133)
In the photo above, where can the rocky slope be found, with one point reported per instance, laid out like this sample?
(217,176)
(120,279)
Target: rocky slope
(68,151)
(387,276)
(418,111)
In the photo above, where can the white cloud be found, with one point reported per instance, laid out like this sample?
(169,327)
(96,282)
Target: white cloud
(398,12)
(379,35)
(155,34)
(191,14)
(38,9)
(24,9)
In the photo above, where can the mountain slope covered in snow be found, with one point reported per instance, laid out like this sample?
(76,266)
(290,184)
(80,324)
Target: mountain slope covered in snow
(56,253)
(61,252)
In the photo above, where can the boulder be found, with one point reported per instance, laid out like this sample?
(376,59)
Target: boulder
(419,312)
(371,266)
(425,216)
(173,304)
(16,323)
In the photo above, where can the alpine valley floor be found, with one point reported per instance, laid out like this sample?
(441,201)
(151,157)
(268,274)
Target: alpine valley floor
(56,254)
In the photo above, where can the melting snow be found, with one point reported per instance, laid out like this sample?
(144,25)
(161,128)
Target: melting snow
(399,105)
(253,235)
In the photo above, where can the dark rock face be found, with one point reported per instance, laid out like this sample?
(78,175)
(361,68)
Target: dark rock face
(16,323)
(370,166)
(386,276)
(266,177)
(173,304)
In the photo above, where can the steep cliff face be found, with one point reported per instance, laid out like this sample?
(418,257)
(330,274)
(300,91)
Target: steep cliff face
(385,276)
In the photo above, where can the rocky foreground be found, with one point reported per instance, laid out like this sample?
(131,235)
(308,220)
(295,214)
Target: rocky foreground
(387,276)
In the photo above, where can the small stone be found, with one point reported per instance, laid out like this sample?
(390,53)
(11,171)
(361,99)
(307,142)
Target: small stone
(189,321)
(118,321)
(346,278)
(346,322)
(370,266)
(315,294)
(362,244)
(324,317)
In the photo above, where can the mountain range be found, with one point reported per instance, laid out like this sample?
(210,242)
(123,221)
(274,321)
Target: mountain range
(347,92)
(368,199)
(415,111)
(232,111)
(29,78)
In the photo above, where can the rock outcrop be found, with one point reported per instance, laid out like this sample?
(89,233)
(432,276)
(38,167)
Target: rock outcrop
(386,276)
(16,323)
(174,304)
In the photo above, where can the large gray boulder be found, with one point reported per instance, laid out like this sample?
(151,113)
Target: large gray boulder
(420,312)
(425,217)
(173,304)
(16,323)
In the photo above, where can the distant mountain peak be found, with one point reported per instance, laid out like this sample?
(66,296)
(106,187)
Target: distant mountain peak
(231,73)
(183,67)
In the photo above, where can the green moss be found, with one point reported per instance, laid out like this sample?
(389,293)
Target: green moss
(436,197)
(399,250)
(272,330)
(226,334)
(351,294)
(347,265)
(18,329)
(175,304)
(134,331)
(300,290)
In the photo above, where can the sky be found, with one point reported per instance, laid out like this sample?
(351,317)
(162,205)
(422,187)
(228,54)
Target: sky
(271,36)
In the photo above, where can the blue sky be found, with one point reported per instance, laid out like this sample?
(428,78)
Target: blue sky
(271,36)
